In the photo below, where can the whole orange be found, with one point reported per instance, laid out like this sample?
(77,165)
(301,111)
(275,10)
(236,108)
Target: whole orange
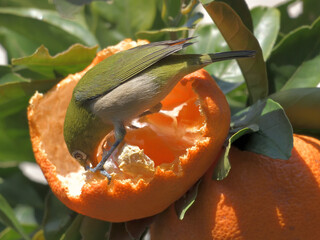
(163,156)
(262,198)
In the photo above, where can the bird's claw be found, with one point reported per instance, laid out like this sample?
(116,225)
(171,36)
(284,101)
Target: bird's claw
(102,171)
(106,174)
(105,157)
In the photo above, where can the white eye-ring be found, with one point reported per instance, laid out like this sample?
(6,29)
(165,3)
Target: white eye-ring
(80,156)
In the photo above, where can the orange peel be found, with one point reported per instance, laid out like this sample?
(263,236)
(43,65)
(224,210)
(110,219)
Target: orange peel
(261,198)
(159,162)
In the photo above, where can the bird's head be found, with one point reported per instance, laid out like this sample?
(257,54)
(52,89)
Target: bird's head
(81,157)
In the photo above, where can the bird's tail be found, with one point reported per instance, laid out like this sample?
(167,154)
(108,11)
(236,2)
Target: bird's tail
(216,57)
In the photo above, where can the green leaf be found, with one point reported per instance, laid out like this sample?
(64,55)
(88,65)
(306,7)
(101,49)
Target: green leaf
(242,9)
(310,11)
(15,92)
(242,123)
(155,35)
(247,116)
(239,37)
(135,15)
(261,128)
(66,8)
(227,87)
(72,233)
(274,138)
(11,186)
(15,135)
(39,235)
(10,91)
(204,2)
(118,232)
(8,218)
(302,106)
(138,228)
(72,60)
(29,3)
(171,12)
(294,62)
(43,27)
(287,24)
(94,229)
(306,75)
(25,214)
(16,44)
(223,166)
(10,234)
(13,122)
(266,23)
(121,19)
(194,19)
(185,202)
(7,76)
(57,218)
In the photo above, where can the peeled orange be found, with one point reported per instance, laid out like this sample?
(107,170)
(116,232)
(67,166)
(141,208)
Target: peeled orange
(262,198)
(162,156)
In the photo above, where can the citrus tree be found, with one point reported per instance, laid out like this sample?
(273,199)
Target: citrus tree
(224,158)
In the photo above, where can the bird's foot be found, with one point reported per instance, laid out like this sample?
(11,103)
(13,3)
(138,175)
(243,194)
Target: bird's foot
(106,174)
(102,171)
(105,157)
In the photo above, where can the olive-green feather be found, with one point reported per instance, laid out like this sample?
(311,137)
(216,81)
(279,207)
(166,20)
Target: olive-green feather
(119,68)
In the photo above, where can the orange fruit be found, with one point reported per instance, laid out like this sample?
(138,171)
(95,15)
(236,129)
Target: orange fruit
(262,198)
(162,158)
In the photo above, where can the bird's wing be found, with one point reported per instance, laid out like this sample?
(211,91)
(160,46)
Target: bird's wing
(119,68)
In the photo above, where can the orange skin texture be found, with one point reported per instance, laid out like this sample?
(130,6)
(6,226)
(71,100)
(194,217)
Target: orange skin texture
(123,200)
(262,198)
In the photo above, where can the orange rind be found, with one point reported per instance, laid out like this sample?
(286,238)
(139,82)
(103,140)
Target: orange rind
(261,198)
(161,158)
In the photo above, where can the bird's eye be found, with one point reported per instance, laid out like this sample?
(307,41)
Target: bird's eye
(80,156)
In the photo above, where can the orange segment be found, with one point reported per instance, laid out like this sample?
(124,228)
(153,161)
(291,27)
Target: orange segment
(157,163)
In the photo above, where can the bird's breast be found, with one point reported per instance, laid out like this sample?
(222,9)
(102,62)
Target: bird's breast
(129,99)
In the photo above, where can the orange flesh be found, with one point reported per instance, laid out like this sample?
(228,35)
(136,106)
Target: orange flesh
(171,131)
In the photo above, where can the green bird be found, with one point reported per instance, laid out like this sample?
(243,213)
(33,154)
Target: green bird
(125,86)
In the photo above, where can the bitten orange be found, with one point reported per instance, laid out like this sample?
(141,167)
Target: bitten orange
(163,155)
(262,198)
